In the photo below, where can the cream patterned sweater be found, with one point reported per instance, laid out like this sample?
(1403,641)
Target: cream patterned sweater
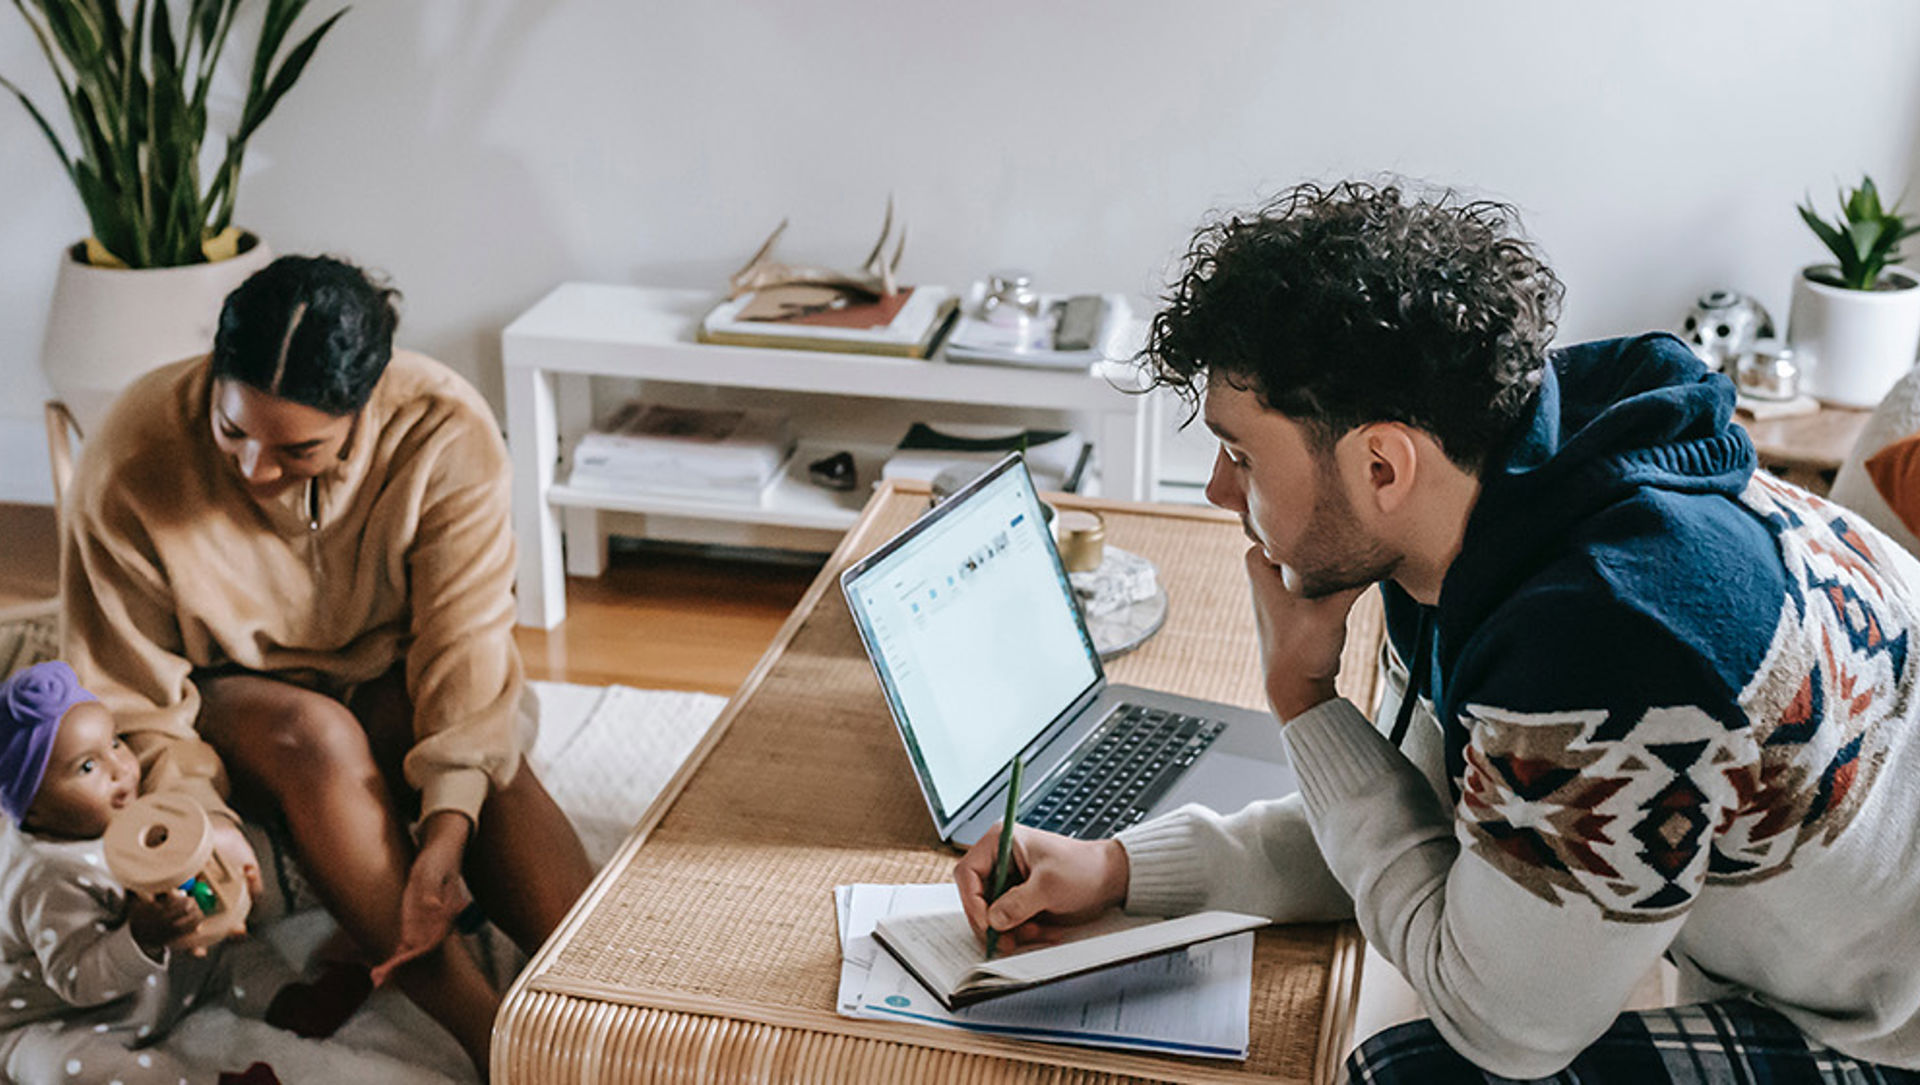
(1674,709)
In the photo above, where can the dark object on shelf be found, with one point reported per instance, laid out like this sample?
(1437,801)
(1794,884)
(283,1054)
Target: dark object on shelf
(835,472)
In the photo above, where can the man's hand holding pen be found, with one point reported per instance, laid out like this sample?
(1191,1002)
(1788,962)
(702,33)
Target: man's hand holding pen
(1056,882)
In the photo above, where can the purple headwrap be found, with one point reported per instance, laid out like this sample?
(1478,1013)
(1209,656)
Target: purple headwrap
(32,703)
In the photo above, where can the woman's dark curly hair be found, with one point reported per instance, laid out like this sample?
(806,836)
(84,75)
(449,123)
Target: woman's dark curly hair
(310,329)
(1344,306)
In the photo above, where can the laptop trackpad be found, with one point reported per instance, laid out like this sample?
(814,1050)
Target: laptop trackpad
(1225,782)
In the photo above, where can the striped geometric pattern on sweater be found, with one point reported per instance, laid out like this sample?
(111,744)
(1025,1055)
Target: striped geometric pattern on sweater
(1637,814)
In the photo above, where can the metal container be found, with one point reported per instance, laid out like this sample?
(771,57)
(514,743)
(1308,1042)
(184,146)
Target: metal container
(1723,325)
(1082,536)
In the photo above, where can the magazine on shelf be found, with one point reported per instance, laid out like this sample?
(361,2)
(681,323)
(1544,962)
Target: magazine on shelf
(907,324)
(729,455)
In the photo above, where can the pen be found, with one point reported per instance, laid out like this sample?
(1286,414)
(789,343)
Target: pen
(1003,861)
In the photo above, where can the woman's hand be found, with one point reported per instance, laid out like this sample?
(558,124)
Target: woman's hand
(435,892)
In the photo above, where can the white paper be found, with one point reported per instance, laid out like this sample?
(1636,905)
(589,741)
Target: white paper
(1195,1002)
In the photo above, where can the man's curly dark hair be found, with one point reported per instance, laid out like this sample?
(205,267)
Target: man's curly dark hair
(1344,306)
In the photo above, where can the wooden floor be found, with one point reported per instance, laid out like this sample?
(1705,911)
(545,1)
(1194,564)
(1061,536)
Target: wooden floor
(667,621)
(656,620)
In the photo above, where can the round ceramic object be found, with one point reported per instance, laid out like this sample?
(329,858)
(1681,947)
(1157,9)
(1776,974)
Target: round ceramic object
(1722,325)
(1853,345)
(107,326)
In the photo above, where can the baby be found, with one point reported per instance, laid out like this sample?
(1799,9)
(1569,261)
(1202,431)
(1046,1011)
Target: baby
(88,975)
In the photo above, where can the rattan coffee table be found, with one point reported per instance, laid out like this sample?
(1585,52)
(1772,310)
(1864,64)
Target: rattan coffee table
(707,949)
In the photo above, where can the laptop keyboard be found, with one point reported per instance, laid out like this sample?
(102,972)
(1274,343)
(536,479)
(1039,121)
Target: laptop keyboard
(1122,770)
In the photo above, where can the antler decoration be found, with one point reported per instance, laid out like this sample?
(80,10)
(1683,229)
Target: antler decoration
(873,280)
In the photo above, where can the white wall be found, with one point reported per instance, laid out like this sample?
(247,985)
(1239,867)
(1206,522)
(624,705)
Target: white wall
(482,150)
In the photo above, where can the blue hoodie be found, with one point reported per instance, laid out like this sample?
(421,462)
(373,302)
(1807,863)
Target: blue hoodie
(1675,707)
(1621,559)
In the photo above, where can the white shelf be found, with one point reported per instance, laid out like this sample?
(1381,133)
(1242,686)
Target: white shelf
(651,333)
(584,330)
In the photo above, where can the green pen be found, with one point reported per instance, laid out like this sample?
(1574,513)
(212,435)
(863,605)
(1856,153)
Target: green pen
(1003,861)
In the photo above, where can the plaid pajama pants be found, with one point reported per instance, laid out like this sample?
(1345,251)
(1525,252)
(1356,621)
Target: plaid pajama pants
(1733,1042)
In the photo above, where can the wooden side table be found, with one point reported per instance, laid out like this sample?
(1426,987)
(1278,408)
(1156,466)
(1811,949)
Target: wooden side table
(1808,449)
(707,952)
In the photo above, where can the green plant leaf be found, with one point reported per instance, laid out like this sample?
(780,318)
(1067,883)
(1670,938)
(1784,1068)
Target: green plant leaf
(283,79)
(59,149)
(1830,237)
(213,45)
(113,36)
(279,19)
(1864,236)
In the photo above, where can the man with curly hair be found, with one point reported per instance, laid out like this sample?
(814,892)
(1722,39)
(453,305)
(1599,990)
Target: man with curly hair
(1645,700)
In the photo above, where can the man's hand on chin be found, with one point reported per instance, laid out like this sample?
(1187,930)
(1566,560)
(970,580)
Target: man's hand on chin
(1300,638)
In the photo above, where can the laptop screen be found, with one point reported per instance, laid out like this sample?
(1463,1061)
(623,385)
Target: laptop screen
(972,628)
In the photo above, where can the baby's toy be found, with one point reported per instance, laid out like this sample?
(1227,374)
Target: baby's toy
(164,841)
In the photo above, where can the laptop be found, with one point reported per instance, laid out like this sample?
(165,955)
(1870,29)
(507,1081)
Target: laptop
(979,645)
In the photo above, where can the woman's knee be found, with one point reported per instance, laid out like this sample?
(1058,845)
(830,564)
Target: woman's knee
(308,741)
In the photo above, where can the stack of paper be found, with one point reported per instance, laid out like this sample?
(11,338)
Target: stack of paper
(714,454)
(1189,1002)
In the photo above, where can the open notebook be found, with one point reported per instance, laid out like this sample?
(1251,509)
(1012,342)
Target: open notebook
(942,953)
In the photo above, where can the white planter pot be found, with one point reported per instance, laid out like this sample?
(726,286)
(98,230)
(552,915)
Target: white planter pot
(108,326)
(1852,345)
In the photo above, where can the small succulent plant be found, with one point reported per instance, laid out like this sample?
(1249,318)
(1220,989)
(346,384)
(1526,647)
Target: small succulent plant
(1864,239)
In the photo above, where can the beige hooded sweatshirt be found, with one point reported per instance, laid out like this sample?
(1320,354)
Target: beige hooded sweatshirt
(402,551)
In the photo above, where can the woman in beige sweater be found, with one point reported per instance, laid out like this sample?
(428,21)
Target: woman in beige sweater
(289,566)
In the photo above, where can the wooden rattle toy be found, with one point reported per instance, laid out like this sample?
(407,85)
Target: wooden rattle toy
(164,841)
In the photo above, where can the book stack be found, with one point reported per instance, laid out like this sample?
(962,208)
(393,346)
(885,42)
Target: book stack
(906,324)
(726,455)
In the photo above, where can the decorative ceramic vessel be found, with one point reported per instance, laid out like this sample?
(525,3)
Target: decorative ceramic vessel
(1852,345)
(1723,325)
(107,326)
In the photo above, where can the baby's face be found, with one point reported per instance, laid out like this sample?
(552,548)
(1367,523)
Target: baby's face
(90,774)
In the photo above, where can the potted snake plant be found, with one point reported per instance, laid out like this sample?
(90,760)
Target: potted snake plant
(1855,323)
(134,79)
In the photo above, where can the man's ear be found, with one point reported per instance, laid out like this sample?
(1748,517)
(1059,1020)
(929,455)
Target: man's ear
(1391,461)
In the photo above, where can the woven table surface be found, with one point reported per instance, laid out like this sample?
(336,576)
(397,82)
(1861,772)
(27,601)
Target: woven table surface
(708,948)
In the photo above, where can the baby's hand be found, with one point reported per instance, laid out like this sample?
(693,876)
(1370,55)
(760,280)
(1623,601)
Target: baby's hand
(156,922)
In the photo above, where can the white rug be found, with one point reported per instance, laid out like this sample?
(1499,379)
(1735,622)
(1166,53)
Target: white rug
(604,753)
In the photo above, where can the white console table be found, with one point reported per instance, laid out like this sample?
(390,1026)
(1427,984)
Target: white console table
(585,330)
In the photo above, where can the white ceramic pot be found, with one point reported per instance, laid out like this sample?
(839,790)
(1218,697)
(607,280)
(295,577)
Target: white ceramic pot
(108,326)
(1852,345)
